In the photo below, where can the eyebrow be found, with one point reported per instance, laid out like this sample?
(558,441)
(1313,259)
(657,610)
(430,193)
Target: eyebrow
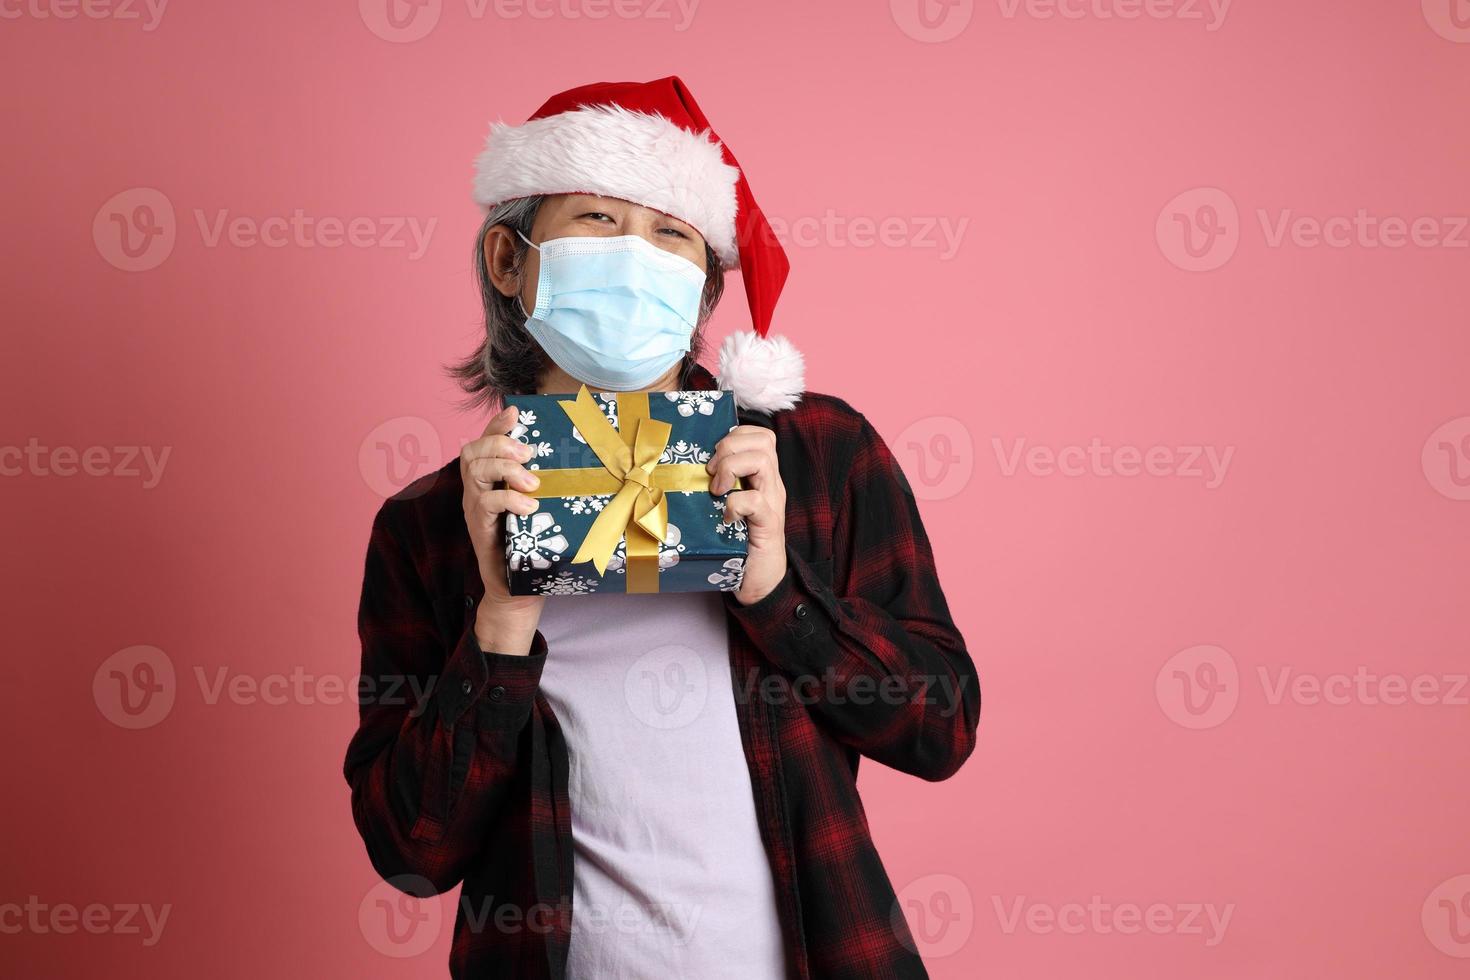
(599,200)
(596,201)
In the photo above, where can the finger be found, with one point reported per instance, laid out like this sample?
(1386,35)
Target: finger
(746,437)
(499,425)
(489,505)
(502,421)
(486,471)
(496,445)
(752,466)
(749,506)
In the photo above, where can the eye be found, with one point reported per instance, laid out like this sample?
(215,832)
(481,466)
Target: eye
(674,232)
(595,216)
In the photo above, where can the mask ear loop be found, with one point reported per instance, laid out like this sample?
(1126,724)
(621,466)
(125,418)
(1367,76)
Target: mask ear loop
(519,301)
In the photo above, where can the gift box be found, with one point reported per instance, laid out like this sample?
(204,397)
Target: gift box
(625,500)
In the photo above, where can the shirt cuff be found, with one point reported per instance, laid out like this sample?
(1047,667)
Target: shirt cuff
(505,684)
(792,624)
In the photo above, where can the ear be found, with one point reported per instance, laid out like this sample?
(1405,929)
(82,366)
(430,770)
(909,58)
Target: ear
(499,256)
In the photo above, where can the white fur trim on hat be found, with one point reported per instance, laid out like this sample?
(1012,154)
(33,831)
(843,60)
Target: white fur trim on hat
(615,152)
(767,374)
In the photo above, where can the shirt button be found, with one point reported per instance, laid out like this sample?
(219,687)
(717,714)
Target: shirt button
(469,602)
(497,692)
(801,610)
(467,687)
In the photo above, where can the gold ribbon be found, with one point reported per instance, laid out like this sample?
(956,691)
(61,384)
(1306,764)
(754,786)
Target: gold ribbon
(630,470)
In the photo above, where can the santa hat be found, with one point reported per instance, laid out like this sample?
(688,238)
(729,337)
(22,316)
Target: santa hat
(647,142)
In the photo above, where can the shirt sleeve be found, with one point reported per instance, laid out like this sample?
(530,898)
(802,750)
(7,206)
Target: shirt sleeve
(880,664)
(439,737)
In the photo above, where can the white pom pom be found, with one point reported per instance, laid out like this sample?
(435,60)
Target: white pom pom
(766,373)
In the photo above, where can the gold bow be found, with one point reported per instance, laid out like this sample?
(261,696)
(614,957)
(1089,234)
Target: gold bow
(630,469)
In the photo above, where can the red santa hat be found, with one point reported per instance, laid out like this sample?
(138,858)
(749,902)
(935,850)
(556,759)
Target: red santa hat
(648,142)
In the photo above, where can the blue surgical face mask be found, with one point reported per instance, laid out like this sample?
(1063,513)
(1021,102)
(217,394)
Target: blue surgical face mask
(614,313)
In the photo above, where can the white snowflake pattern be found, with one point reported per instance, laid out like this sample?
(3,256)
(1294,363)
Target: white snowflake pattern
(735,530)
(608,402)
(668,551)
(591,504)
(525,431)
(684,452)
(533,542)
(690,402)
(564,583)
(729,575)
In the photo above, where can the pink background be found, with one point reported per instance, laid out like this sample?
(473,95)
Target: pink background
(1072,309)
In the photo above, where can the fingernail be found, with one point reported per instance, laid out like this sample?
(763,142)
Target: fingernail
(535,480)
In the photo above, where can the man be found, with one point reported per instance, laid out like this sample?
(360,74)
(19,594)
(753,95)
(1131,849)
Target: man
(595,833)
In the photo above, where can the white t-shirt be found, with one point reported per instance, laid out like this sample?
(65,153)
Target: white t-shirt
(671,879)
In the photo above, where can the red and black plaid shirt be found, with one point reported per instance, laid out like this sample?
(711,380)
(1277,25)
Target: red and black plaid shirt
(854,653)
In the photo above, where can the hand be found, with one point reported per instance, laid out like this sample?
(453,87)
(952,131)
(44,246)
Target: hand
(491,468)
(749,452)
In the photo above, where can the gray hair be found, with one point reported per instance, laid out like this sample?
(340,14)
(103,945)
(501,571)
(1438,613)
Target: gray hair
(509,361)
